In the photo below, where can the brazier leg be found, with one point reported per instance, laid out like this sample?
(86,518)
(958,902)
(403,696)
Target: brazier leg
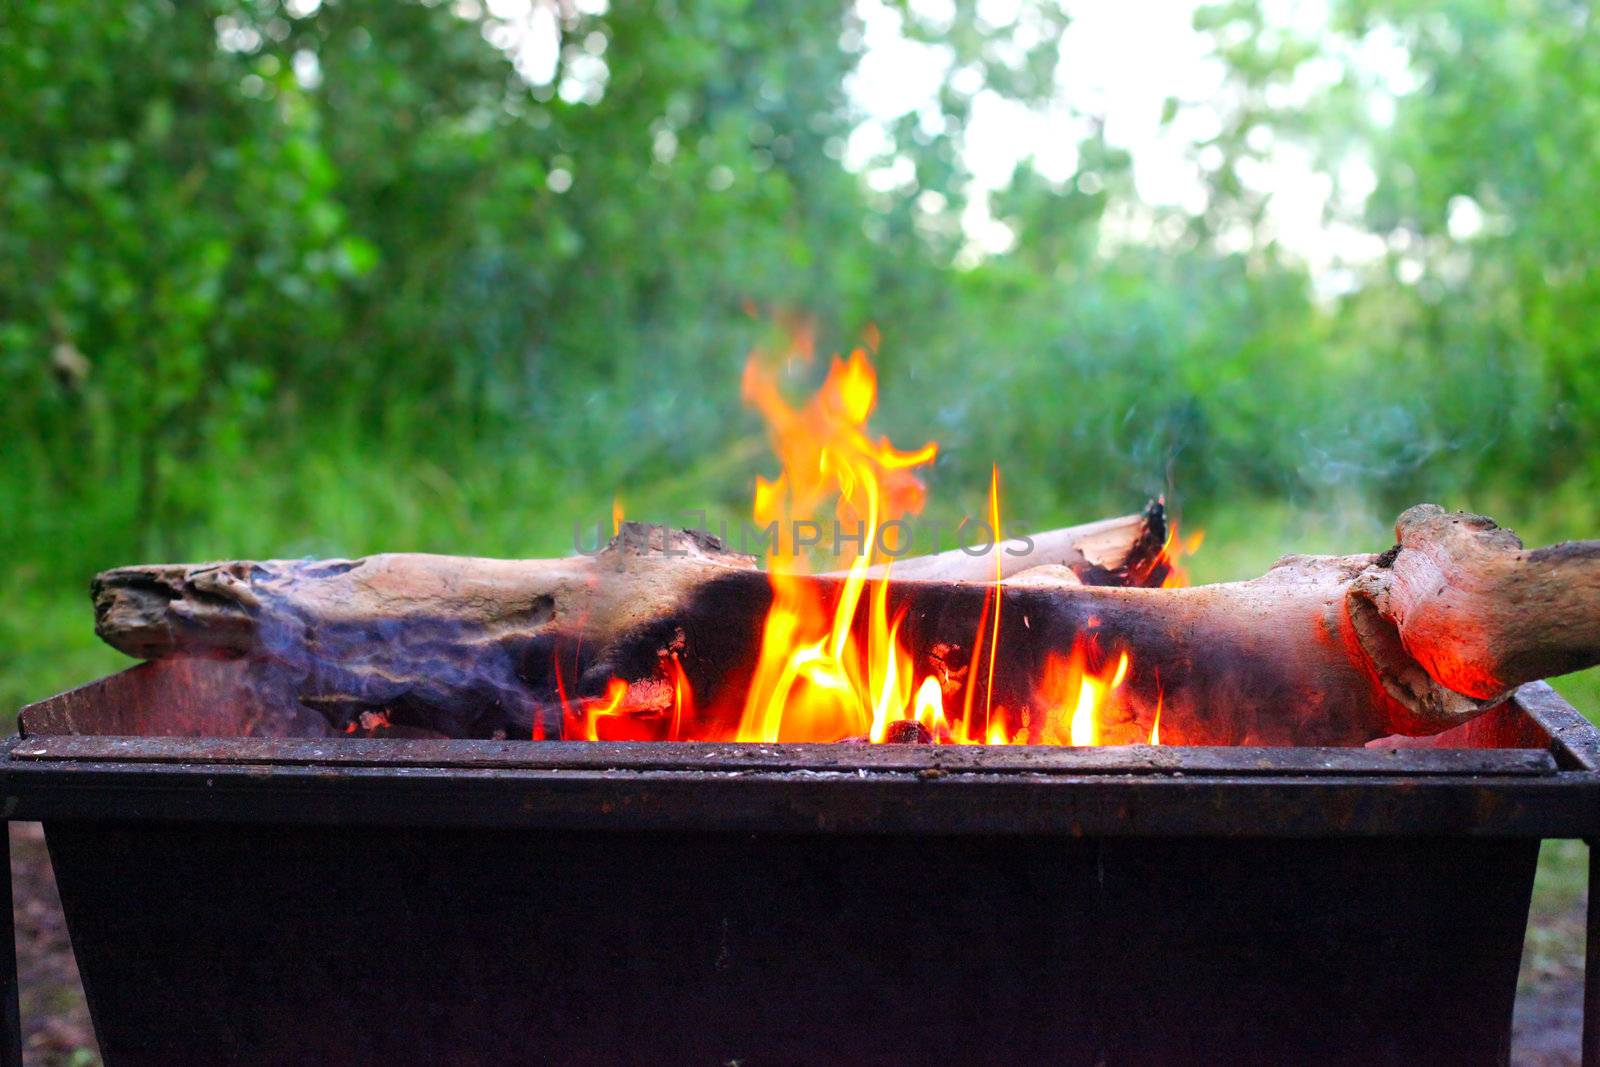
(1591,965)
(11,1038)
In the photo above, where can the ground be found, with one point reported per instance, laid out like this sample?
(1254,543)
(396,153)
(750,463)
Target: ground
(1549,992)
(1549,1015)
(55,1019)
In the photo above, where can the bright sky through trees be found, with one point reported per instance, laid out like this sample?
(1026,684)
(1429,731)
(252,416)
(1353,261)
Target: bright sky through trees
(1121,63)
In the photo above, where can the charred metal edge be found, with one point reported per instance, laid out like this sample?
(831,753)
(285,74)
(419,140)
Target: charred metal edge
(928,790)
(1564,804)
(697,756)
(1574,740)
(803,802)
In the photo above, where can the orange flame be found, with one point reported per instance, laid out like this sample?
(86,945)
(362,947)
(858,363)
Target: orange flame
(821,675)
(1077,698)
(586,719)
(990,731)
(817,678)
(648,710)
(1175,549)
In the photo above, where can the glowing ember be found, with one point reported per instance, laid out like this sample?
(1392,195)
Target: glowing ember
(649,710)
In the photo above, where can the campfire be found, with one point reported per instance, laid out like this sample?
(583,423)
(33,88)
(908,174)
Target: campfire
(1019,830)
(1078,637)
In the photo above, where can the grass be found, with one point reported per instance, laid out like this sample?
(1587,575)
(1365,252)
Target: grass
(1553,951)
(328,504)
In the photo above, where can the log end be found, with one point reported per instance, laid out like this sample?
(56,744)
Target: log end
(1424,706)
(1133,553)
(1457,614)
(152,611)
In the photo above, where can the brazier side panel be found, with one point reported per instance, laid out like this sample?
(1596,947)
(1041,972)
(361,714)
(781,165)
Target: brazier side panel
(206,944)
(264,944)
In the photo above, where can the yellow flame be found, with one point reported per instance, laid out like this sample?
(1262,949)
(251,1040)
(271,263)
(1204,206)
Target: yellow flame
(988,632)
(682,699)
(1077,698)
(928,708)
(994,636)
(594,712)
(817,677)
(1085,731)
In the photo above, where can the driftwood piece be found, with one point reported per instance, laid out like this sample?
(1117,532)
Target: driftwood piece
(162,609)
(1459,602)
(463,646)
(1320,650)
(1127,550)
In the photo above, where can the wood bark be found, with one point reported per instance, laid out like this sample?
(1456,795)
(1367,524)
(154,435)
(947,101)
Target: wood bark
(1127,550)
(1319,650)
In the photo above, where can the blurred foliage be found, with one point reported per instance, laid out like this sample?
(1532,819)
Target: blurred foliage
(281,278)
(1483,312)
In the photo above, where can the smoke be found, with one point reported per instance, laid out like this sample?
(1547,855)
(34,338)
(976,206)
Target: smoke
(451,671)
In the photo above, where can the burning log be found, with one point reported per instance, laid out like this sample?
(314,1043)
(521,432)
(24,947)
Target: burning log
(164,609)
(1127,550)
(463,646)
(662,642)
